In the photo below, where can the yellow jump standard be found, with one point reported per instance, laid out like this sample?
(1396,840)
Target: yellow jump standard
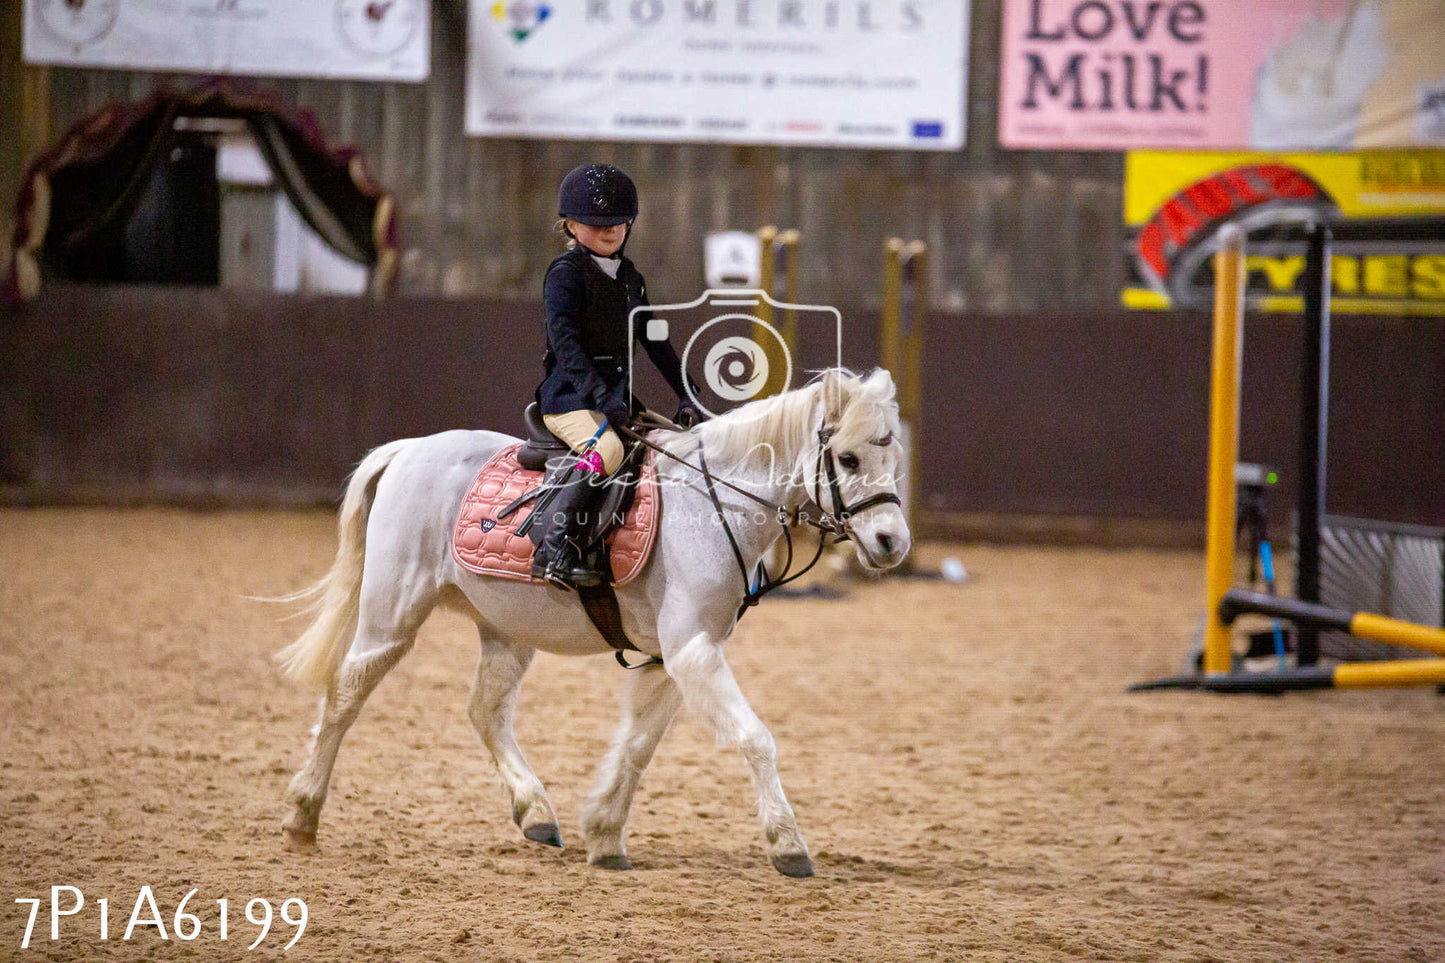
(1228,351)
(1223,603)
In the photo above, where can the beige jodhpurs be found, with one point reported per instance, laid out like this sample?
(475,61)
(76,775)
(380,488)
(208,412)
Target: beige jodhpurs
(575,427)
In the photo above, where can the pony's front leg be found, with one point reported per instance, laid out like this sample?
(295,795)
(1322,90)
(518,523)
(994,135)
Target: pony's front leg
(651,700)
(491,707)
(709,689)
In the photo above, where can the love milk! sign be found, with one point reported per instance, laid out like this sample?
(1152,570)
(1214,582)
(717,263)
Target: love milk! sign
(1093,73)
(1222,74)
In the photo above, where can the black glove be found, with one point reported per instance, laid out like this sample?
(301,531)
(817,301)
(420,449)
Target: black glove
(687,415)
(616,408)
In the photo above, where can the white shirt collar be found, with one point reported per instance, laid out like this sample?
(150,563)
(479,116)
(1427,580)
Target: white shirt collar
(608,264)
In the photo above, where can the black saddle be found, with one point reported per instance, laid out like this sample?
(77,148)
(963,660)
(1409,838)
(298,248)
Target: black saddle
(541,445)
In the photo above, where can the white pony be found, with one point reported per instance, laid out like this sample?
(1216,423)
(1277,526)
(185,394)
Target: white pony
(394,565)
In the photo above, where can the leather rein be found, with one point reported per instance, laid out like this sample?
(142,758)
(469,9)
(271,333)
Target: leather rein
(833,522)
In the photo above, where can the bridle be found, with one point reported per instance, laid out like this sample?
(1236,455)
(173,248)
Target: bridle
(842,512)
(833,522)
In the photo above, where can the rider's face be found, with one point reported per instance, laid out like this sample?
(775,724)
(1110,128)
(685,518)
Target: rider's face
(599,240)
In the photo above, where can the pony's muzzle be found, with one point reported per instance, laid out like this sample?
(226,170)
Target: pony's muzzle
(882,545)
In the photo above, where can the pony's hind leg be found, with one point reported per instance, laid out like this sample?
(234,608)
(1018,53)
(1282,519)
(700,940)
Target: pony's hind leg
(491,707)
(651,702)
(385,632)
(355,679)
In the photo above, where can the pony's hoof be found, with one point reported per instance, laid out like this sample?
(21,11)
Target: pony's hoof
(617,864)
(796,865)
(297,841)
(544,833)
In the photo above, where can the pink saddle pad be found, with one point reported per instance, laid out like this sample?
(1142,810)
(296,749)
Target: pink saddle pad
(482,544)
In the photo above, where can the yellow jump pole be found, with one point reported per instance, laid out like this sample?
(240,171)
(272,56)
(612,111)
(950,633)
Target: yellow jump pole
(1368,626)
(785,257)
(910,393)
(900,334)
(780,263)
(1362,625)
(1354,675)
(1379,675)
(1229,278)
(1350,675)
(787,263)
(888,323)
(764,310)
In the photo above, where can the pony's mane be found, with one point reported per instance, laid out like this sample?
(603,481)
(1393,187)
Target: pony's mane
(781,429)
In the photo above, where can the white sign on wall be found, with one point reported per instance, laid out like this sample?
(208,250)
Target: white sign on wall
(362,39)
(837,73)
(732,259)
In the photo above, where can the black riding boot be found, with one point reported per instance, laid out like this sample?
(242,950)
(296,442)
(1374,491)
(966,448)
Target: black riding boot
(560,559)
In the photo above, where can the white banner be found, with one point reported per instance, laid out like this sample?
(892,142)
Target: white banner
(828,73)
(363,39)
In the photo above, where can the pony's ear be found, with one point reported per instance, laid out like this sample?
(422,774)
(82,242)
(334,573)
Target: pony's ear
(880,381)
(833,389)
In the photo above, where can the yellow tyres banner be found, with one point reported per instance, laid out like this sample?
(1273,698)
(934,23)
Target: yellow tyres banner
(1386,210)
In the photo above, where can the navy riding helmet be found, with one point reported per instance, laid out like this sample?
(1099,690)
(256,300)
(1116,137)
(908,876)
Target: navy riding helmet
(598,195)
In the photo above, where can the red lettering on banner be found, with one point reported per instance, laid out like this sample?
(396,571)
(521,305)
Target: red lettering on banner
(1180,219)
(1239,181)
(1210,197)
(1151,248)
(1287,182)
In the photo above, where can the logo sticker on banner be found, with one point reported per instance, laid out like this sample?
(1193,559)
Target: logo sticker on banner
(522,17)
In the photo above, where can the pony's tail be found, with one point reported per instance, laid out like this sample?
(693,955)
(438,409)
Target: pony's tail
(314,657)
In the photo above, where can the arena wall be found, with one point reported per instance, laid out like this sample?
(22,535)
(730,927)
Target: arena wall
(1041,425)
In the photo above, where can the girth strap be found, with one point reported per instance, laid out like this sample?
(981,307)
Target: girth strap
(600,603)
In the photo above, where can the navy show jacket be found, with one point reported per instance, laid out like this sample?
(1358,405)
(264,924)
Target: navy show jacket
(587,346)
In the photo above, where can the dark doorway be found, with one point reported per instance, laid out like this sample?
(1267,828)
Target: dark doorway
(173,237)
(170,238)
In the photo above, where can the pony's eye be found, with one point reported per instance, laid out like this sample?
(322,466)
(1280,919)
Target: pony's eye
(848,460)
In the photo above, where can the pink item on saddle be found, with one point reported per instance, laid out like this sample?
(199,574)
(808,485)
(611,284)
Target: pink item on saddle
(487,545)
(592,461)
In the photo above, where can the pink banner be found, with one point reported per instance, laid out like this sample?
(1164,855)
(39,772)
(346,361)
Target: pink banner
(1222,74)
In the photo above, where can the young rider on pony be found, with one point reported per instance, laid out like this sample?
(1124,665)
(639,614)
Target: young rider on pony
(588,294)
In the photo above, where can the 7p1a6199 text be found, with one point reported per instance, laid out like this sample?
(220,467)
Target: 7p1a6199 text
(189,921)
